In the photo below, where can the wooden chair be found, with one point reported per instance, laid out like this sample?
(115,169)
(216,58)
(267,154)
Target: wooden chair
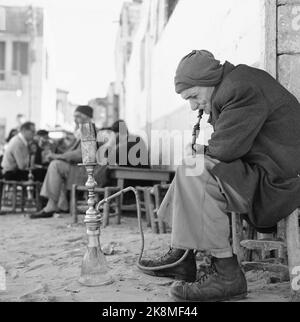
(151,199)
(14,196)
(77,208)
(159,192)
(144,194)
(286,245)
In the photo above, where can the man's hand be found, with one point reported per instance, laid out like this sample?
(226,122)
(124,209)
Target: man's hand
(189,149)
(54,156)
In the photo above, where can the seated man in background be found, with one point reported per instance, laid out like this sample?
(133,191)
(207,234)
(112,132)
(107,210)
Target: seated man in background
(65,143)
(120,148)
(44,148)
(59,169)
(131,149)
(16,159)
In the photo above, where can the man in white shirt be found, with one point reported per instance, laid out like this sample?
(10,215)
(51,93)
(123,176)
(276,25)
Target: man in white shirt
(16,157)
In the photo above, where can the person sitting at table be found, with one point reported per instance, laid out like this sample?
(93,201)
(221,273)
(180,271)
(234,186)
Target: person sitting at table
(54,185)
(16,158)
(44,148)
(119,147)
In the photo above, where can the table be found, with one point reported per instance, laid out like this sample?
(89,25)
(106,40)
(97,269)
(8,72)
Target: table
(156,176)
(141,174)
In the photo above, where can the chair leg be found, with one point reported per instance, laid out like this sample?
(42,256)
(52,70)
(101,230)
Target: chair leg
(119,210)
(158,200)
(23,192)
(14,198)
(147,206)
(38,204)
(106,209)
(237,236)
(293,247)
(281,235)
(73,204)
(6,194)
(1,195)
(150,202)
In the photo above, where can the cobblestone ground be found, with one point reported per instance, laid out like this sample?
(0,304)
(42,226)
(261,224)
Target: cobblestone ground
(42,260)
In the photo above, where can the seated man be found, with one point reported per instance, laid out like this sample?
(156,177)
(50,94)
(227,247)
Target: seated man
(59,169)
(251,166)
(16,159)
(131,149)
(44,148)
(119,147)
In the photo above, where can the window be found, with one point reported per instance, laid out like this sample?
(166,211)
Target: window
(2,60)
(20,57)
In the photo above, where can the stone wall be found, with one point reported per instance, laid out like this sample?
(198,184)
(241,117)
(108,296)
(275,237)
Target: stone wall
(288,45)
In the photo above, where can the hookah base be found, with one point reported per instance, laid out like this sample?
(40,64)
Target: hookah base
(94,270)
(94,281)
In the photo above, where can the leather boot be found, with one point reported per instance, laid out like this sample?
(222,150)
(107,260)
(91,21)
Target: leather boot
(224,281)
(185,271)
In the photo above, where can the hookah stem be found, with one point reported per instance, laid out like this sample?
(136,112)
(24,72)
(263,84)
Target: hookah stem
(141,230)
(196,132)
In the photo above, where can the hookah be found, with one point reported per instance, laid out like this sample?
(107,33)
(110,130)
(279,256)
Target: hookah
(94,271)
(29,184)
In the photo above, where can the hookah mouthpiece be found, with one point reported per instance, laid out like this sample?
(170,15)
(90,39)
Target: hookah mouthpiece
(196,131)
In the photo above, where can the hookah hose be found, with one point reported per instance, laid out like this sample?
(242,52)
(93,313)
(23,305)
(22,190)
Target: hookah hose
(145,268)
(196,132)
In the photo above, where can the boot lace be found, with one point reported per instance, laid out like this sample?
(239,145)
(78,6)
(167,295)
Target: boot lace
(167,254)
(208,272)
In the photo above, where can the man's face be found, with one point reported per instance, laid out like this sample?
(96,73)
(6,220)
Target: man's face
(29,134)
(69,139)
(42,140)
(80,118)
(199,98)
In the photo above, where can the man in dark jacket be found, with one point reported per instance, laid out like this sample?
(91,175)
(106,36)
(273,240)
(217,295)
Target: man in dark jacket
(251,166)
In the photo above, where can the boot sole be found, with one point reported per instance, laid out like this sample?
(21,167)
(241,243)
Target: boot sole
(172,276)
(231,299)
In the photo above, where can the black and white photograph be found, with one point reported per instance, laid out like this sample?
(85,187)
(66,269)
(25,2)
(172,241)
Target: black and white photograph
(149,154)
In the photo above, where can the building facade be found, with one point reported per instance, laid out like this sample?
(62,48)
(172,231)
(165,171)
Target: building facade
(26,82)
(128,24)
(64,111)
(106,109)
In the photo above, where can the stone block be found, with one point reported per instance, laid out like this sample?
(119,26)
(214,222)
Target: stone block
(288,73)
(289,28)
(283,2)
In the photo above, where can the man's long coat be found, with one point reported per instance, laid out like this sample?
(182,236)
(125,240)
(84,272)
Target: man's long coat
(257,140)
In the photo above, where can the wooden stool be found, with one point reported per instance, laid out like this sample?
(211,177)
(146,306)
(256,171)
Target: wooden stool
(286,245)
(144,194)
(102,193)
(159,192)
(14,195)
(150,201)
